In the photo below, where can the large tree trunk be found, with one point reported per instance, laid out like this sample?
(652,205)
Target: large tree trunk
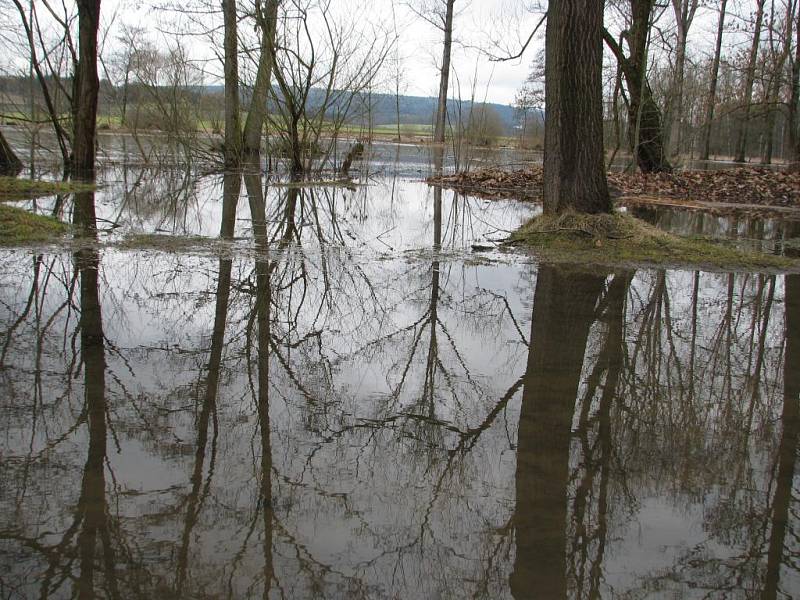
(254,124)
(233,126)
(644,116)
(9,163)
(574,166)
(750,76)
(712,92)
(563,312)
(86,89)
(444,77)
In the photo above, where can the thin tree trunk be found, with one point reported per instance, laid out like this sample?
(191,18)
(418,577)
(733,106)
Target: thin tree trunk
(254,124)
(684,16)
(233,127)
(444,77)
(712,92)
(9,163)
(794,137)
(750,76)
(574,165)
(777,83)
(87,85)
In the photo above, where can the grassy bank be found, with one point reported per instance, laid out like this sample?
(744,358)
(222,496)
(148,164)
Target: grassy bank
(622,240)
(14,188)
(18,226)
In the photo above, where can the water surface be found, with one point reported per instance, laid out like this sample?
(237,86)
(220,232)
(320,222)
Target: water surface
(350,403)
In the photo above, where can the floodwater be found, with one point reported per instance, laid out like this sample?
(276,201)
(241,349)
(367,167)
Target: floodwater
(341,399)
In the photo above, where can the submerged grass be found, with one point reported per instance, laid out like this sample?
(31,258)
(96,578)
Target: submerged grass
(619,239)
(13,188)
(18,226)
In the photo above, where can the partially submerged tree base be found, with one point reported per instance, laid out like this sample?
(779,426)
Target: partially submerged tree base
(18,226)
(621,240)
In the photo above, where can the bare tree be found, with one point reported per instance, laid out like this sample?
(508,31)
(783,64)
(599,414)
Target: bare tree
(684,11)
(233,128)
(750,76)
(644,115)
(266,20)
(439,13)
(711,100)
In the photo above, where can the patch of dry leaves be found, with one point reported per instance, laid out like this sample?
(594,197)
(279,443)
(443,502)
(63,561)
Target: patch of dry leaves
(747,185)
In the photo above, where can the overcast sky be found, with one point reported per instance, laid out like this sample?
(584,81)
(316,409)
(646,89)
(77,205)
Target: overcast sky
(419,43)
(478,26)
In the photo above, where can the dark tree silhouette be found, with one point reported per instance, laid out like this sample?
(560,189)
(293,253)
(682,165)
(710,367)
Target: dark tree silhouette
(563,312)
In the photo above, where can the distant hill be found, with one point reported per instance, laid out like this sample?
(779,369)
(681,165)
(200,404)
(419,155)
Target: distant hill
(418,110)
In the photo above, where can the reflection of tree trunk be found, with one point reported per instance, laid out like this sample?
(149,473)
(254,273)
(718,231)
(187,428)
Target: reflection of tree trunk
(263,300)
(92,502)
(596,458)
(231,187)
(563,312)
(787,450)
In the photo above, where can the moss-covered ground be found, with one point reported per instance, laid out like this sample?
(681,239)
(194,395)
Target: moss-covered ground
(621,240)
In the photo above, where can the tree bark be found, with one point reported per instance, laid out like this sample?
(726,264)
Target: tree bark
(233,126)
(712,92)
(574,165)
(644,116)
(750,76)
(266,18)
(87,85)
(10,164)
(444,77)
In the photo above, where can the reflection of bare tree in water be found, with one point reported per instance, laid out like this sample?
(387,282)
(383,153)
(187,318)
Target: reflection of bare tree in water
(207,416)
(263,299)
(559,331)
(590,508)
(92,507)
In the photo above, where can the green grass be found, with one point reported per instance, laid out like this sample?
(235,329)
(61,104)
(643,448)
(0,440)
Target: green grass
(621,240)
(18,226)
(13,188)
